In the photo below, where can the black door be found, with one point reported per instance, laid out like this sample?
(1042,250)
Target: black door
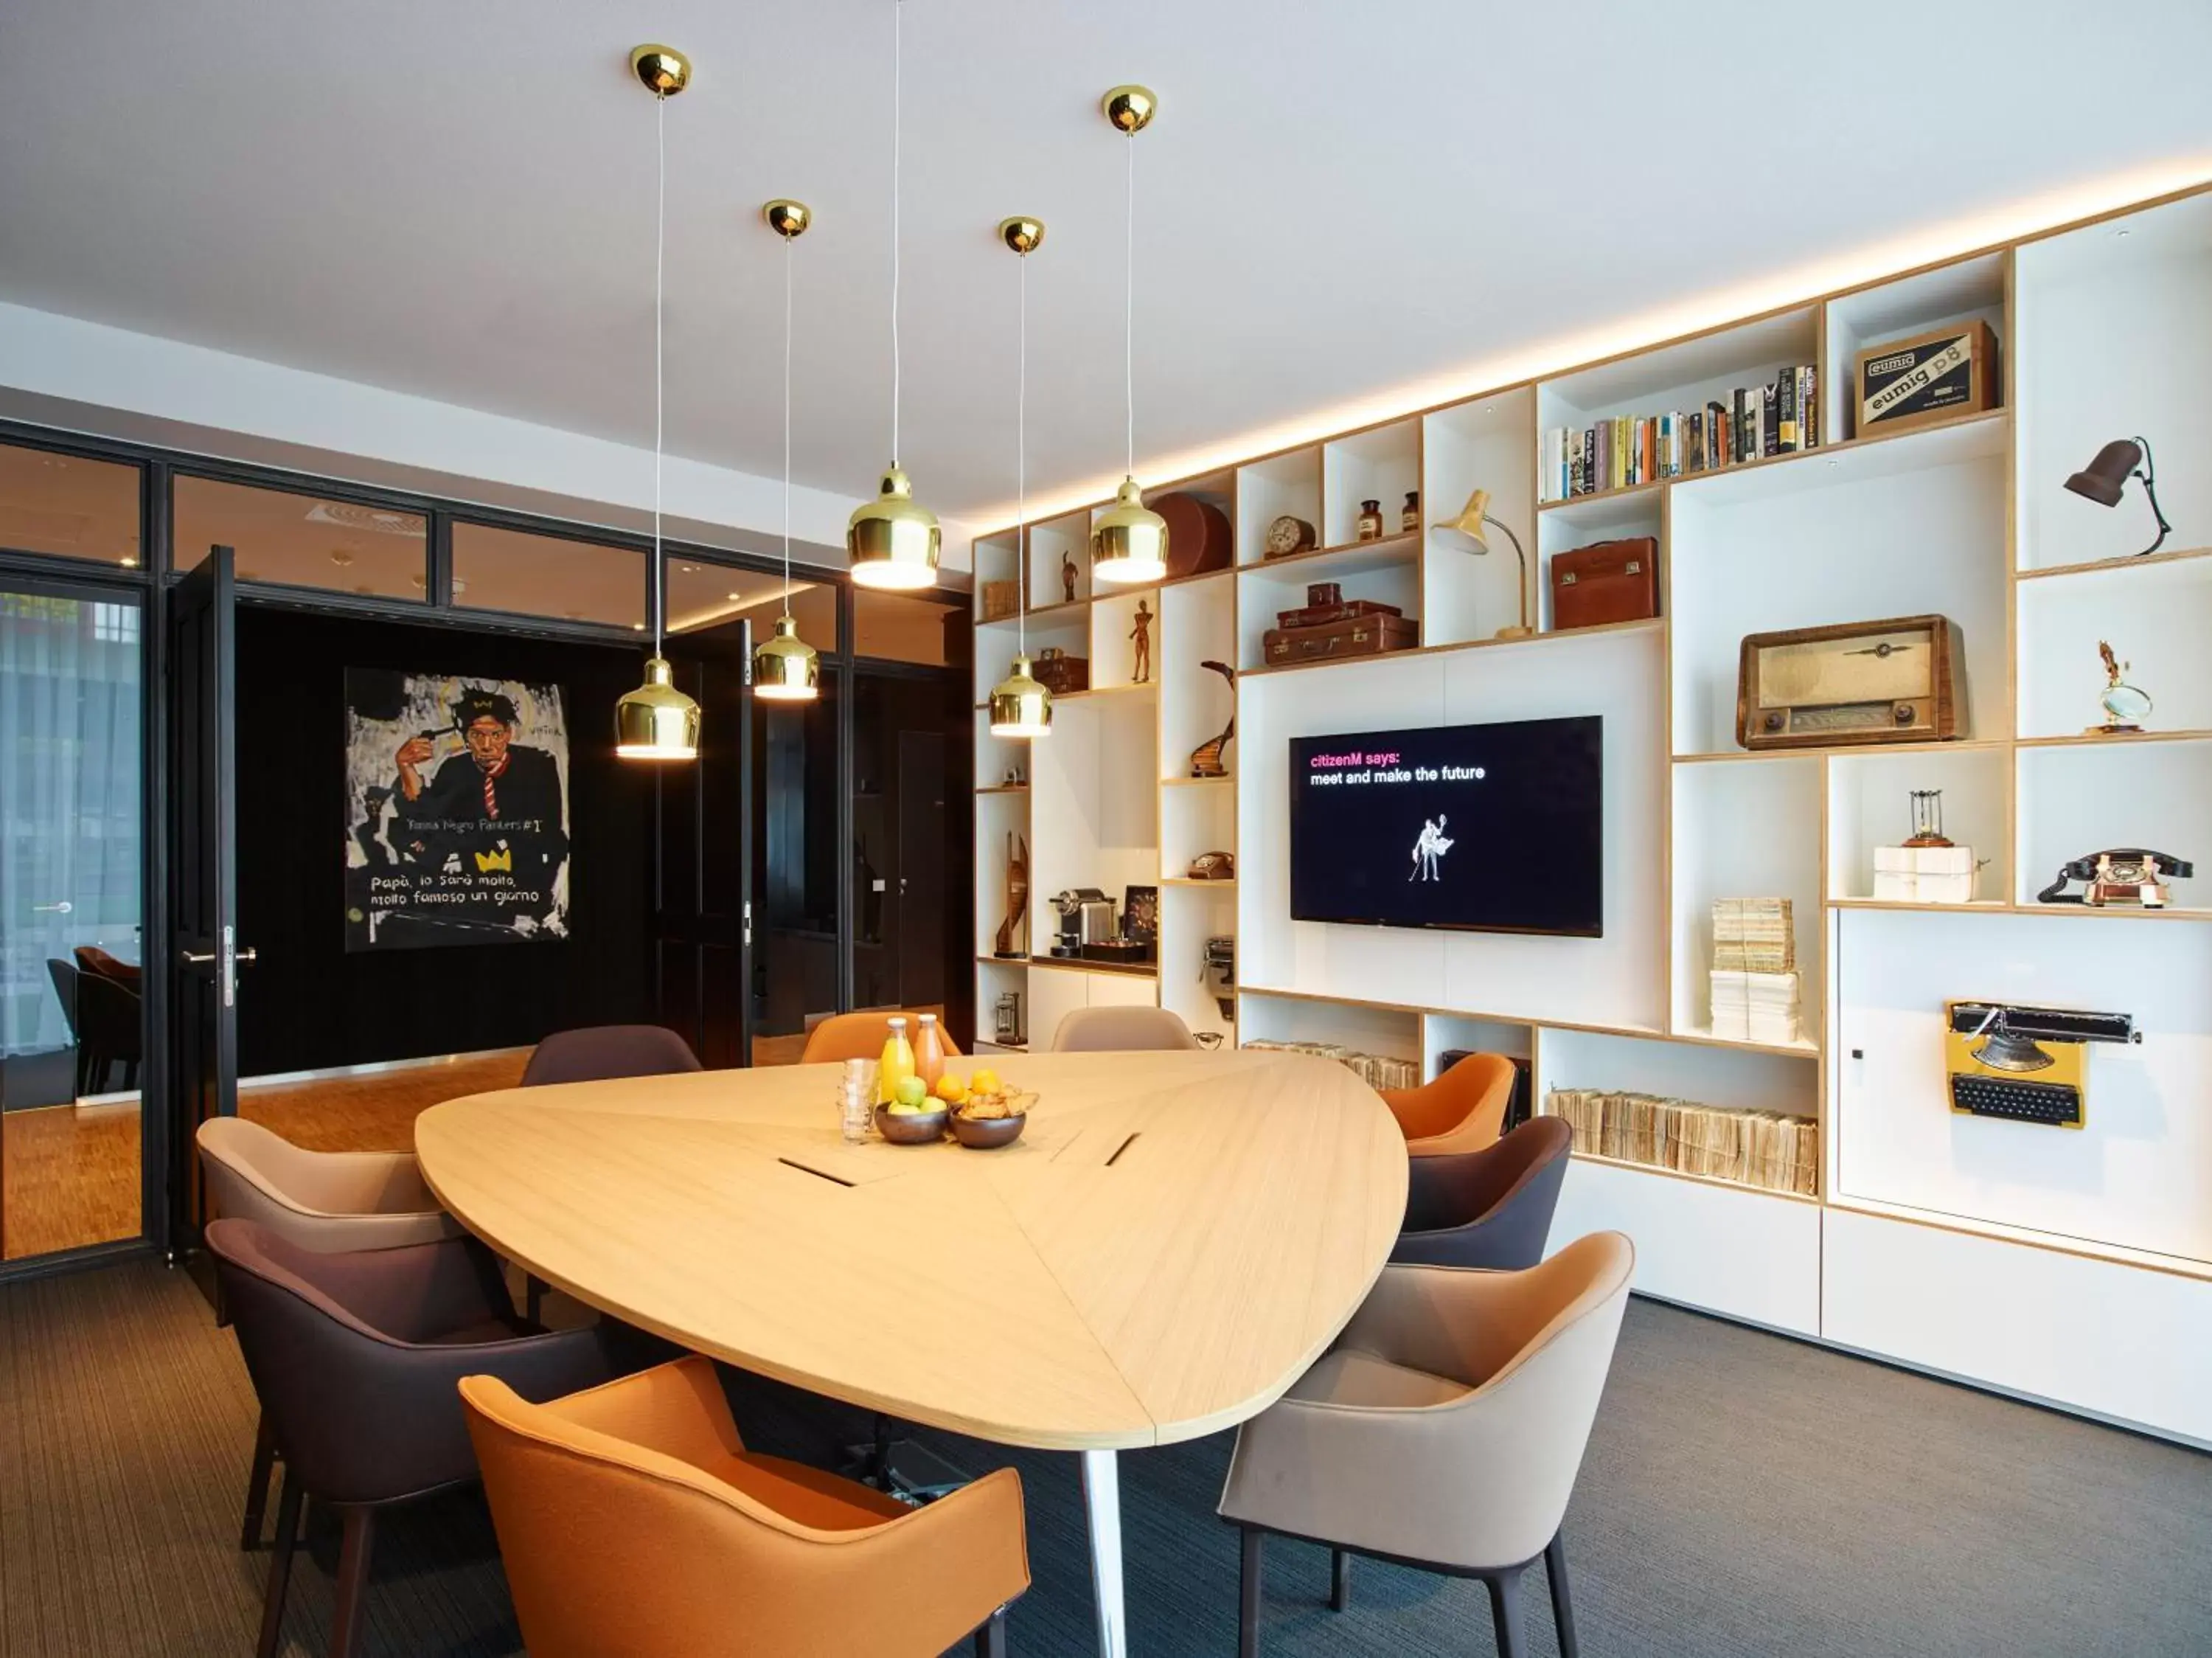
(702,934)
(922,895)
(201,954)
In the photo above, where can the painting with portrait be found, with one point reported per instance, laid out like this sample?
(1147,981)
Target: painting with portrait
(457,811)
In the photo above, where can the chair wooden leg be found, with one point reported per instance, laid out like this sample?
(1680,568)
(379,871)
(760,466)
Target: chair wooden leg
(257,1485)
(1562,1606)
(1247,1596)
(353,1581)
(280,1566)
(991,1636)
(1505,1611)
(533,1296)
(1339,1580)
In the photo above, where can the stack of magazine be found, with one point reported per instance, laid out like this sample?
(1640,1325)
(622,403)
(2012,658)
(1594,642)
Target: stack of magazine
(1768,1149)
(1622,451)
(1375,1069)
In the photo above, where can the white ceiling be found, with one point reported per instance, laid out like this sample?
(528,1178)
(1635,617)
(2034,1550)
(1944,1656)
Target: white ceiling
(456,201)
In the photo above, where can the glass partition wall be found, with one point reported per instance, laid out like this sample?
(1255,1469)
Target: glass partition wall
(93,534)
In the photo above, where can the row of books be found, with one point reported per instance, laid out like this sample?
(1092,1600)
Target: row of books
(1626,450)
(1377,1071)
(1766,1148)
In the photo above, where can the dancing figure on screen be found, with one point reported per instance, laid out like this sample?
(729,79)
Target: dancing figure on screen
(1432,844)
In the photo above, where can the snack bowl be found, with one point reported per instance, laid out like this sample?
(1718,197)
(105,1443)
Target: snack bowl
(911,1128)
(988,1133)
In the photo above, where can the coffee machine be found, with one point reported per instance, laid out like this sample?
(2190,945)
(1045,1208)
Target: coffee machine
(1086,917)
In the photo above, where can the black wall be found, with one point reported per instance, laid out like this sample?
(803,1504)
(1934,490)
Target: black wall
(304,1004)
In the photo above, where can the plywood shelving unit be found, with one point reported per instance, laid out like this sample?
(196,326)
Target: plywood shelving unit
(2019,1246)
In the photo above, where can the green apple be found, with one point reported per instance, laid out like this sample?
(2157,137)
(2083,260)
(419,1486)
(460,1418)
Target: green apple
(910,1092)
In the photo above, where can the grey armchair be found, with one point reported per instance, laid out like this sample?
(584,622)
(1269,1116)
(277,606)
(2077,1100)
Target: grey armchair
(357,1359)
(1490,1209)
(1444,1430)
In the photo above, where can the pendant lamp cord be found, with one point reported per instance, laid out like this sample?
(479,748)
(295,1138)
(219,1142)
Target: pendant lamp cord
(1022,459)
(898,9)
(1129,312)
(659,241)
(788,240)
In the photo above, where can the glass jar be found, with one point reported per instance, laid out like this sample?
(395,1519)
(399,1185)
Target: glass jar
(1370,521)
(1409,518)
(856,1101)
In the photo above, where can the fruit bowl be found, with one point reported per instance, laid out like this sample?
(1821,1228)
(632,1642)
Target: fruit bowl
(911,1128)
(987,1133)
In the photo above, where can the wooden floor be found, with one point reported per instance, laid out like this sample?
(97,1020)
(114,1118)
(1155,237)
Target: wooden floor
(71,1172)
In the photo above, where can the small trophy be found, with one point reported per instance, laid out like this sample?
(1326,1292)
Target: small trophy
(2124,705)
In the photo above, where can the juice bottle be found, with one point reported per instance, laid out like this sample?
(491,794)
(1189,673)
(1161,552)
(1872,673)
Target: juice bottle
(929,1052)
(897,1062)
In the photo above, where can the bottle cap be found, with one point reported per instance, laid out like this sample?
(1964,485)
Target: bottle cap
(927,1018)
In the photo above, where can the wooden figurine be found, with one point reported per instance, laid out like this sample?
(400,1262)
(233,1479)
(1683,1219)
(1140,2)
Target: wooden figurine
(1068,577)
(1207,759)
(1018,895)
(1141,672)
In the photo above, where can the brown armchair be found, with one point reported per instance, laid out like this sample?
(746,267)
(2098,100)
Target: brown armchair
(357,1358)
(1463,1110)
(1443,1430)
(862,1036)
(1123,1030)
(633,1522)
(598,1052)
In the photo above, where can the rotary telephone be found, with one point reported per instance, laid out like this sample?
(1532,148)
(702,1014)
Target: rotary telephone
(2120,874)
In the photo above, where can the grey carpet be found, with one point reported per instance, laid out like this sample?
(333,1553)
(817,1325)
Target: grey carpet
(1743,1495)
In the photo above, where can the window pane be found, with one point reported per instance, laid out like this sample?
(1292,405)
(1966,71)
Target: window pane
(897,627)
(547,575)
(701,596)
(62,504)
(303,540)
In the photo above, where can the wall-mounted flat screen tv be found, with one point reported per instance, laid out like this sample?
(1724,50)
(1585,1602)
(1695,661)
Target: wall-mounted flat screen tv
(1485,828)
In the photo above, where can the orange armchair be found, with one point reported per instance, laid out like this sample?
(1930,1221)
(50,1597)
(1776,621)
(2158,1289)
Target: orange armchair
(1463,1110)
(634,1523)
(862,1036)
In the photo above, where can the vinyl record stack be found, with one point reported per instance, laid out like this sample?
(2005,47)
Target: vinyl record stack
(1766,1148)
(1754,971)
(1377,1071)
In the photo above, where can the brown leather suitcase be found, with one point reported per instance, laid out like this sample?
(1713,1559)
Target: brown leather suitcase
(1357,635)
(1605,582)
(1059,672)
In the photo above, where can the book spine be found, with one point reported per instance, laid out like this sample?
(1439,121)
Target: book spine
(1785,410)
(1770,434)
(1808,410)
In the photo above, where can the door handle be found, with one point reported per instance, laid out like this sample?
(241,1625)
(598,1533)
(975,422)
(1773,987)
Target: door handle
(197,958)
(60,909)
(246,955)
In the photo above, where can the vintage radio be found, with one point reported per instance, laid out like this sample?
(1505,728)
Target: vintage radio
(1357,635)
(1903,383)
(1059,672)
(1901,680)
(1198,538)
(1000,600)
(1605,582)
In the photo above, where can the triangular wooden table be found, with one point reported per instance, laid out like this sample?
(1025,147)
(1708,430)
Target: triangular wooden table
(1173,1241)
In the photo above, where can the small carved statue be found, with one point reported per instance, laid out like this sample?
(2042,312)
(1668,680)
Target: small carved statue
(1141,672)
(1017,897)
(1068,577)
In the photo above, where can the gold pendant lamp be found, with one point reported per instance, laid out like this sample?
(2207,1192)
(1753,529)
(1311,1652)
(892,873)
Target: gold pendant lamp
(786,668)
(657,722)
(893,542)
(1020,706)
(1129,542)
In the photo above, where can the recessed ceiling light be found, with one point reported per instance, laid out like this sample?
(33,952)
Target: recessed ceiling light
(689,570)
(637,627)
(129,561)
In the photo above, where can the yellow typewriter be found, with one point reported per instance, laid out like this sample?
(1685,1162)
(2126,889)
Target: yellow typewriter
(2025,1064)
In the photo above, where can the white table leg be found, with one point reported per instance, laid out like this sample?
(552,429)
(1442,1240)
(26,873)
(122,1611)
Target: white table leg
(1102,1501)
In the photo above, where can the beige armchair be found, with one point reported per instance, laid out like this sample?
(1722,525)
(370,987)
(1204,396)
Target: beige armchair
(1444,1429)
(328,1202)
